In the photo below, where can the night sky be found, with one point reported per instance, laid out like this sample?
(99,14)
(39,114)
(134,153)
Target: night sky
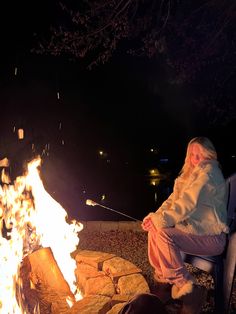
(123,108)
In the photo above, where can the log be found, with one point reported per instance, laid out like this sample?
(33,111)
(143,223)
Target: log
(45,273)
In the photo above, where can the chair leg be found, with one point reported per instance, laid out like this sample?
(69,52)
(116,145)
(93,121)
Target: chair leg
(218,274)
(229,272)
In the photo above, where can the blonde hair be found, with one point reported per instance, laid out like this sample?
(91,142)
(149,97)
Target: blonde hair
(207,150)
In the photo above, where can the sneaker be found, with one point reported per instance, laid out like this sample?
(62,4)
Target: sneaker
(178,292)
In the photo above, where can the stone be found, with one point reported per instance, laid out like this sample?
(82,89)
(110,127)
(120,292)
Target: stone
(91,305)
(132,284)
(117,267)
(119,298)
(83,272)
(101,285)
(92,258)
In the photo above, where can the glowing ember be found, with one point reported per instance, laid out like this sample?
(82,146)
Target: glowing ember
(33,220)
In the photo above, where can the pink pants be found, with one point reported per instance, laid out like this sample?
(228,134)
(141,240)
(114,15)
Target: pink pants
(165,245)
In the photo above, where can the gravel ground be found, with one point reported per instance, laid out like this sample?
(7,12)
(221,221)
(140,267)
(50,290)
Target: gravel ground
(132,246)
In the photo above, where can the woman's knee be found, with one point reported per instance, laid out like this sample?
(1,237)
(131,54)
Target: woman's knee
(164,232)
(166,235)
(161,235)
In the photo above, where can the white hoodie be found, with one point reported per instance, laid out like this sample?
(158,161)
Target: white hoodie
(198,204)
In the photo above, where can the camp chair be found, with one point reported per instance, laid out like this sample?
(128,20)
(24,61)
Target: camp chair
(223,275)
(230,260)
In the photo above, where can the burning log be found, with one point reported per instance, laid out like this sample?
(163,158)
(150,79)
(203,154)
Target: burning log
(45,272)
(42,277)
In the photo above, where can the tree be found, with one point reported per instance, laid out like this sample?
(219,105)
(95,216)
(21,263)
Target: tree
(195,40)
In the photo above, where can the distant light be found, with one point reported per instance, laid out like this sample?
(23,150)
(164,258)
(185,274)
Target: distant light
(16,70)
(20,134)
(103,197)
(154,150)
(164,160)
(103,154)
(154,172)
(154,177)
(233,156)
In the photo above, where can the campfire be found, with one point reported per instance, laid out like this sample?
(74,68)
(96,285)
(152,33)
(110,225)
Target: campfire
(36,243)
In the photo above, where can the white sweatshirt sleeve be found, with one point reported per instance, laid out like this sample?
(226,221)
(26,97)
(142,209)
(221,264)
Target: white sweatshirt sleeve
(182,207)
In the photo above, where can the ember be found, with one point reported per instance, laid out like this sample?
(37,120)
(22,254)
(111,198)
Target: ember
(32,222)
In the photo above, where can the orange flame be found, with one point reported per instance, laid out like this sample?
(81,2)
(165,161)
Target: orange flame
(34,219)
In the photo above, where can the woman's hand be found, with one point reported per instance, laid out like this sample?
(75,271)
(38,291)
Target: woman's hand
(148,225)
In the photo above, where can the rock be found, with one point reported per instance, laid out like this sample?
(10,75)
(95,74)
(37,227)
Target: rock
(91,305)
(117,267)
(101,285)
(119,298)
(132,284)
(92,258)
(84,272)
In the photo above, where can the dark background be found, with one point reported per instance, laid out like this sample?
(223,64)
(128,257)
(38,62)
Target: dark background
(124,108)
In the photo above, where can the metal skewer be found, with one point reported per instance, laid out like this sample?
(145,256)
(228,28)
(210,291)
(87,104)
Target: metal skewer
(92,203)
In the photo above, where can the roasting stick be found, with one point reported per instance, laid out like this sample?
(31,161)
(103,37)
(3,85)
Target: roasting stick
(92,203)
